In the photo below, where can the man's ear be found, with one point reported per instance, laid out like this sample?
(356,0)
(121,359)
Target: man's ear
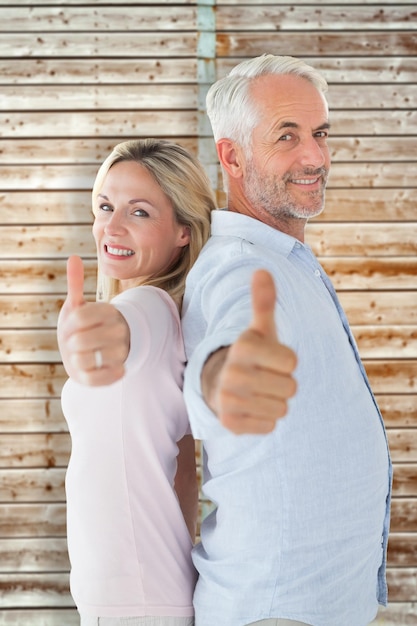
(230,157)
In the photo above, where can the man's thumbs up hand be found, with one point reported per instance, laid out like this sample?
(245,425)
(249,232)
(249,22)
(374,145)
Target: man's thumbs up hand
(249,383)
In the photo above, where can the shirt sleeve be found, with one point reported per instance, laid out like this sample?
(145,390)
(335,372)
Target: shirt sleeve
(153,321)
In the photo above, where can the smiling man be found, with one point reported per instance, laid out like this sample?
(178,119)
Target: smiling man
(299,530)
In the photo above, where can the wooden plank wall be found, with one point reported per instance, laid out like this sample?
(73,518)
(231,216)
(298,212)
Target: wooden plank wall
(77,77)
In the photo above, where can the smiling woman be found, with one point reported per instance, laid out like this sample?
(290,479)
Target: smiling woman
(131,482)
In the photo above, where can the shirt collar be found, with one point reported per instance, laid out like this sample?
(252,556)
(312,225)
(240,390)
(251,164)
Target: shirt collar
(227,223)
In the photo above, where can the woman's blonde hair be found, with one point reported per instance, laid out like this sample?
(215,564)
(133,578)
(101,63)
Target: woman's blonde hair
(184,181)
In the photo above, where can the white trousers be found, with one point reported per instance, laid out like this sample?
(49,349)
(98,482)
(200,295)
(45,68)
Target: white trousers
(88,620)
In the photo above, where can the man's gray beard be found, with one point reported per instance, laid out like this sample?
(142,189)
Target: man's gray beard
(271,196)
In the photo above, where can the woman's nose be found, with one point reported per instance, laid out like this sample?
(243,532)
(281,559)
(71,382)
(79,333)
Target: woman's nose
(115,224)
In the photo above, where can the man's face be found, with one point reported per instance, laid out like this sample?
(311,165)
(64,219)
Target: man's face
(287,169)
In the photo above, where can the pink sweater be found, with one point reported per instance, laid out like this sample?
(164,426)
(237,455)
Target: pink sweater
(129,546)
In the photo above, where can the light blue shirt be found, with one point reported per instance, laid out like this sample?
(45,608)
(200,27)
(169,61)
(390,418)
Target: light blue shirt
(301,517)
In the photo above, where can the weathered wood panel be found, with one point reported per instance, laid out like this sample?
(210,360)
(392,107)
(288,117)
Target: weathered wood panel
(36,414)
(34,555)
(374,342)
(347,240)
(326,43)
(100,71)
(128,124)
(369,308)
(39,617)
(20,521)
(122,124)
(46,277)
(73,45)
(21,19)
(35,590)
(77,177)
(74,206)
(23,151)
(99,97)
(30,485)
(115,64)
(359,17)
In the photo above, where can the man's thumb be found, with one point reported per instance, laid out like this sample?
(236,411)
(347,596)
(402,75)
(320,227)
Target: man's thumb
(75,281)
(263,304)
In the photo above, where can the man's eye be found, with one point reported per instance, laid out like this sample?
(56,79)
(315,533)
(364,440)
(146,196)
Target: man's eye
(286,137)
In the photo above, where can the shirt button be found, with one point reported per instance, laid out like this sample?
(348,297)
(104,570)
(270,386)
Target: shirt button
(317,272)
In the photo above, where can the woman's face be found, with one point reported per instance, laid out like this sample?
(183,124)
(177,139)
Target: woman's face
(135,229)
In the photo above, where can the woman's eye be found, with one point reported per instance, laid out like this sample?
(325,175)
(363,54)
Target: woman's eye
(105,207)
(140,213)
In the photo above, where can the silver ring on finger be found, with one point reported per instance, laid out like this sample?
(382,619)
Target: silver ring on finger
(98,358)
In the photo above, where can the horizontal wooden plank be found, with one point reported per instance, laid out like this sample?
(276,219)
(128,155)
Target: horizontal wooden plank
(398,411)
(323,43)
(109,71)
(33,19)
(341,69)
(122,124)
(383,342)
(80,150)
(31,485)
(402,552)
(393,376)
(369,204)
(347,274)
(405,480)
(85,150)
(29,346)
(374,342)
(33,520)
(403,446)
(43,381)
(42,277)
(308,18)
(63,206)
(359,239)
(34,555)
(78,177)
(39,617)
(35,590)
(101,97)
(361,307)
(108,45)
(402,585)
(393,273)
(184,96)
(35,450)
(47,241)
(375,308)
(403,515)
(127,124)
(397,614)
(24,311)
(32,415)
(46,207)
(344,240)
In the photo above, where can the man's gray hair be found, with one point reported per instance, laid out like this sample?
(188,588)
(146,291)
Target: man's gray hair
(231,112)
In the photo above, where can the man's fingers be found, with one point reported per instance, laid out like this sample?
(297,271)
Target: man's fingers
(75,281)
(263,304)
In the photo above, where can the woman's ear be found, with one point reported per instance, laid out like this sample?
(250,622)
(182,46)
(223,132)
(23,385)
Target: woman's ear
(184,236)
(229,157)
